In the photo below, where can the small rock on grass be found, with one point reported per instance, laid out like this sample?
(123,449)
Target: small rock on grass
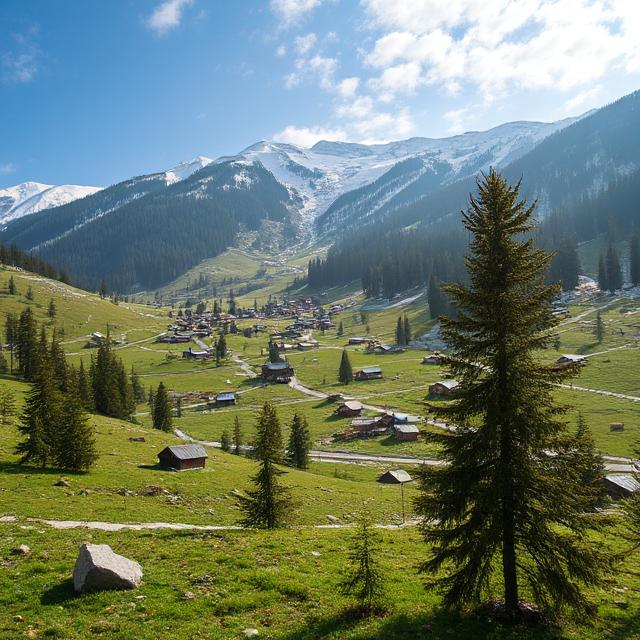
(250,633)
(22,550)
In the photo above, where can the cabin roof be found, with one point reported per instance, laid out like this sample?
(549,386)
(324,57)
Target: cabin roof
(225,395)
(371,370)
(186,451)
(397,476)
(627,482)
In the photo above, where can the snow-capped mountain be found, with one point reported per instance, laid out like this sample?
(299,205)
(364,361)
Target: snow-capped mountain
(30,197)
(184,169)
(326,171)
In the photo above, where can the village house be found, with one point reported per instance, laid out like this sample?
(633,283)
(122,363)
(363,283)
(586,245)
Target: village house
(406,432)
(619,486)
(434,358)
(568,359)
(200,354)
(395,476)
(358,340)
(183,457)
(280,372)
(349,408)
(443,388)
(369,373)
(225,399)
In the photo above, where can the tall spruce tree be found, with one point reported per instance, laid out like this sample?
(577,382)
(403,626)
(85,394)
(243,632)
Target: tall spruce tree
(407,330)
(11,332)
(614,270)
(634,259)
(299,443)
(58,362)
(225,441)
(75,448)
(436,300)
(364,579)
(345,372)
(603,282)
(268,505)
(400,339)
(503,505)
(237,436)
(599,327)
(12,286)
(27,344)
(42,416)
(84,388)
(162,411)
(137,389)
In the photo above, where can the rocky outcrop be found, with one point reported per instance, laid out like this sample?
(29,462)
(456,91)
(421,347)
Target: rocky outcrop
(98,568)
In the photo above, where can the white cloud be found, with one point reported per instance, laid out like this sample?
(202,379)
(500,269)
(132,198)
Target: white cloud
(583,98)
(167,15)
(359,108)
(20,64)
(7,168)
(501,46)
(325,69)
(348,87)
(281,51)
(304,44)
(293,11)
(308,136)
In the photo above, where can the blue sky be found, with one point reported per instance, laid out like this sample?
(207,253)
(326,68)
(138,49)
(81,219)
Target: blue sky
(94,91)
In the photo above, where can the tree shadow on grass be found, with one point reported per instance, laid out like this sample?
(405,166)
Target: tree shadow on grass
(402,626)
(59,593)
(14,467)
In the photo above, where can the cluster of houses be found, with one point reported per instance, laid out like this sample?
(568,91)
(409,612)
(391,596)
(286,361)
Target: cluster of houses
(402,426)
(96,339)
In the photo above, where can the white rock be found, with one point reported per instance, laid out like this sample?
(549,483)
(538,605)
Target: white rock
(333,519)
(98,568)
(250,633)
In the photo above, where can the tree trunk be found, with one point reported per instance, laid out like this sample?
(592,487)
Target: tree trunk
(509,572)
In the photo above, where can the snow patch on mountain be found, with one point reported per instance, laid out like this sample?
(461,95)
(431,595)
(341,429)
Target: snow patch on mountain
(186,168)
(31,197)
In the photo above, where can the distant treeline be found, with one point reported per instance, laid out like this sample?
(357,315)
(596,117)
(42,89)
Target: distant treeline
(14,257)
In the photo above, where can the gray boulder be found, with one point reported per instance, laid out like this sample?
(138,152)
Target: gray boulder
(98,568)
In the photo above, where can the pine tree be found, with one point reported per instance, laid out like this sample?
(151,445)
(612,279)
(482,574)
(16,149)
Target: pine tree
(407,330)
(274,353)
(614,271)
(364,578)
(11,336)
(502,505)
(4,366)
(436,299)
(41,417)
(12,286)
(299,443)
(29,293)
(599,328)
(7,406)
(345,372)
(58,362)
(634,259)
(268,505)
(603,282)
(52,310)
(589,463)
(221,348)
(136,387)
(225,441)
(162,413)
(75,448)
(237,436)
(104,291)
(84,388)
(400,339)
(151,400)
(340,331)
(26,344)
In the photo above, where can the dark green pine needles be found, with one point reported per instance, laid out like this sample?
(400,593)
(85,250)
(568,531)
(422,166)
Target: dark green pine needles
(268,504)
(510,509)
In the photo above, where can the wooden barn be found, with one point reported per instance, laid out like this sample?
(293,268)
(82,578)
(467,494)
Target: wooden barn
(443,388)
(619,486)
(395,476)
(567,359)
(369,373)
(349,408)
(182,457)
(406,432)
(225,399)
(277,372)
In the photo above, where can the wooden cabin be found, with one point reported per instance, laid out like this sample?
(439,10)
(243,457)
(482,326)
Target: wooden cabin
(225,399)
(406,432)
(619,486)
(369,373)
(277,372)
(443,388)
(182,457)
(350,408)
(395,476)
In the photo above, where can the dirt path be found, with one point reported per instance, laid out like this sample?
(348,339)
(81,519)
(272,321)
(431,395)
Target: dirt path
(610,394)
(174,526)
